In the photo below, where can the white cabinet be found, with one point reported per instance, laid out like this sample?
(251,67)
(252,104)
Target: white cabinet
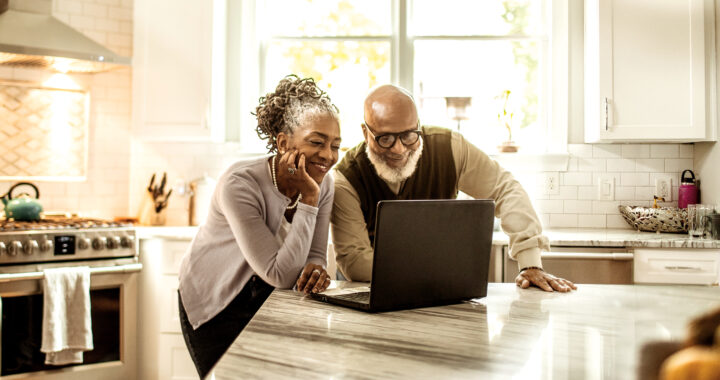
(162,351)
(649,70)
(677,266)
(178,70)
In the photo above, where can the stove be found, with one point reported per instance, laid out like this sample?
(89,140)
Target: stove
(109,250)
(64,240)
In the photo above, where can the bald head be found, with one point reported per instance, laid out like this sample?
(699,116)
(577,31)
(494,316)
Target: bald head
(390,107)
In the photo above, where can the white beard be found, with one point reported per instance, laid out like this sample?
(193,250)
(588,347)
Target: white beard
(395,175)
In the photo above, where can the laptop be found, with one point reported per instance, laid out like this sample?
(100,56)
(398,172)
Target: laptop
(427,253)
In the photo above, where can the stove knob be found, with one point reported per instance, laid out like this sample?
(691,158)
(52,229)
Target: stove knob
(113,242)
(46,245)
(99,243)
(14,248)
(30,247)
(3,248)
(84,243)
(127,242)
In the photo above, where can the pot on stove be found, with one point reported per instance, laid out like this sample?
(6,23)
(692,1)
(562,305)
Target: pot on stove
(22,207)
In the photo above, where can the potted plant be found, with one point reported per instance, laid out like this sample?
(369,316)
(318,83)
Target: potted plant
(506,119)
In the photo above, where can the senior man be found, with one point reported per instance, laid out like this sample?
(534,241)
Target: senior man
(399,159)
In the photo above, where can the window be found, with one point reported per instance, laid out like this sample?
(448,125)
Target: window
(476,66)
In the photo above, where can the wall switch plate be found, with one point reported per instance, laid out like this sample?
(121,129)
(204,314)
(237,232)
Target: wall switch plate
(551,183)
(606,188)
(663,187)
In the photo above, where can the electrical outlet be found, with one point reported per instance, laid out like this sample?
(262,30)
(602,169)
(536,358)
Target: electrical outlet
(663,188)
(551,183)
(606,188)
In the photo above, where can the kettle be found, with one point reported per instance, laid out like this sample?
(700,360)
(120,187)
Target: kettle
(22,207)
(688,191)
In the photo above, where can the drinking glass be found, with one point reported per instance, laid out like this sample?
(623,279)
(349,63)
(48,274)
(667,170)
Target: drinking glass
(696,215)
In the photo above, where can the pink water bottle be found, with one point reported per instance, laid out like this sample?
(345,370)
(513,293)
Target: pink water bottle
(688,191)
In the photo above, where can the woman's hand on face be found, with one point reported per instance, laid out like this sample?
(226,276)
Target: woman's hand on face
(297,177)
(313,279)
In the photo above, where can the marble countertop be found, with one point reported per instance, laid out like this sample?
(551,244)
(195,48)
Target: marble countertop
(599,237)
(594,332)
(578,237)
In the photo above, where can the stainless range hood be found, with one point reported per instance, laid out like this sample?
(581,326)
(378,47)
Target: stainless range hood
(31,37)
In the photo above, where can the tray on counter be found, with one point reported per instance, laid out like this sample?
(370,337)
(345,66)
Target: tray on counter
(662,219)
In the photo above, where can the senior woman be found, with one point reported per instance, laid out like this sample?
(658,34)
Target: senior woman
(268,222)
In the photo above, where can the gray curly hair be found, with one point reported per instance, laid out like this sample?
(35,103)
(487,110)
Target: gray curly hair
(294,102)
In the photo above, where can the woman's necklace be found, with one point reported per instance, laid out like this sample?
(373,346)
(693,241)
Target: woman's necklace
(274,178)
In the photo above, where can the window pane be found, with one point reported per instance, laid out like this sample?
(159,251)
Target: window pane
(483,71)
(475,17)
(327,18)
(346,70)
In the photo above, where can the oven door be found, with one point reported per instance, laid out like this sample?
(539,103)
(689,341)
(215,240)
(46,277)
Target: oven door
(113,295)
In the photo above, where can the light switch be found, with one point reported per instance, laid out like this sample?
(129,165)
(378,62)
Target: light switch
(606,188)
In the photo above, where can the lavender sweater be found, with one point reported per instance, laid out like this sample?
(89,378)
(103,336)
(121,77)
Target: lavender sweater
(238,240)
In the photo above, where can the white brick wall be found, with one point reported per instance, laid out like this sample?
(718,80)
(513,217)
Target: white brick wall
(104,193)
(634,167)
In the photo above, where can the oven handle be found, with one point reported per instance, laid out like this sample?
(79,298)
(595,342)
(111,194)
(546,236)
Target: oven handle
(127,268)
(617,256)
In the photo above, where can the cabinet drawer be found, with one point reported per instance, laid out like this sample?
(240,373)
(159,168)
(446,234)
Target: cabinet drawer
(677,266)
(172,254)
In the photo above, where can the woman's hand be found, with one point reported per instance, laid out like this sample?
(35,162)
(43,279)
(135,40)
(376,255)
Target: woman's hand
(313,279)
(297,177)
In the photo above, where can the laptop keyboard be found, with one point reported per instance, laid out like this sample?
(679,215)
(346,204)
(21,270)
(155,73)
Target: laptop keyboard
(359,297)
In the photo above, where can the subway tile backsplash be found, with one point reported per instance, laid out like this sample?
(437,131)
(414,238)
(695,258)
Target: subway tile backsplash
(634,168)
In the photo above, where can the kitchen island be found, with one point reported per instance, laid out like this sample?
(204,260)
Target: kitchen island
(595,332)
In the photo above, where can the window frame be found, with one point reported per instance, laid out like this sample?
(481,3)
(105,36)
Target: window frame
(248,48)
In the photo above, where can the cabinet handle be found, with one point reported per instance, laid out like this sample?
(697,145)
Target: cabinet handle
(616,256)
(607,113)
(683,268)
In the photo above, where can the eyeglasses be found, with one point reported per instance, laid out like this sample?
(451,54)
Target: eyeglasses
(387,140)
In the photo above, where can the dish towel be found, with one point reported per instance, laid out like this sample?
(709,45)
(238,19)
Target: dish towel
(66,327)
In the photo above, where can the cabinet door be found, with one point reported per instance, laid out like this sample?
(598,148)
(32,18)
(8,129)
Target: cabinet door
(649,70)
(174,360)
(173,70)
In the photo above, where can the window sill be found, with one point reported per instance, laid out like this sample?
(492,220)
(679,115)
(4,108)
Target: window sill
(533,162)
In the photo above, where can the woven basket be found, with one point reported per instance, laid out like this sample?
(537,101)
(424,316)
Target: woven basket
(663,219)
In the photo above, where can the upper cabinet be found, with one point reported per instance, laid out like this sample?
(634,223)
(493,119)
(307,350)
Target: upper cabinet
(178,70)
(649,70)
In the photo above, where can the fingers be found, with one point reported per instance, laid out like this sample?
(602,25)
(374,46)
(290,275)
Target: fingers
(322,284)
(544,281)
(314,276)
(287,160)
(301,166)
(522,282)
(304,276)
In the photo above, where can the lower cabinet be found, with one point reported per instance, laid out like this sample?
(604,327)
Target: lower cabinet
(582,265)
(677,266)
(162,353)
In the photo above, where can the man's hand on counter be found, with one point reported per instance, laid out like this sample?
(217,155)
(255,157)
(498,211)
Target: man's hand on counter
(543,280)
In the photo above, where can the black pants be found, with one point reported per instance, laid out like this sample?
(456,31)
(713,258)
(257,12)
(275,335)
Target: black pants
(209,342)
